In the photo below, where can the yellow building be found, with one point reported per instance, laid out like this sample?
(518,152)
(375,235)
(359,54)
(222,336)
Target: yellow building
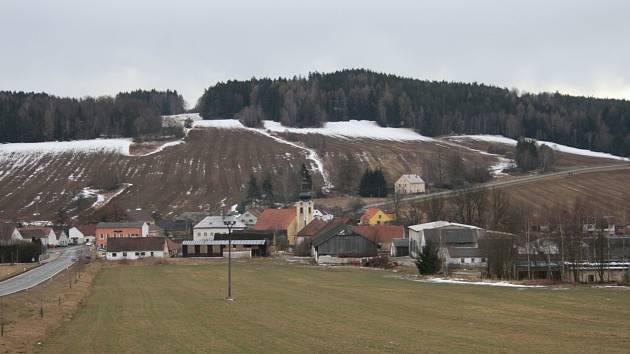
(375,216)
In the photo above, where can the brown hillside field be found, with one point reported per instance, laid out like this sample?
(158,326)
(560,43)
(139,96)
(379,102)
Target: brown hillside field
(607,192)
(210,169)
(290,308)
(211,166)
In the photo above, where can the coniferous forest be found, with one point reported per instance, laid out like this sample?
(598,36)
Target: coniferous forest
(33,117)
(429,107)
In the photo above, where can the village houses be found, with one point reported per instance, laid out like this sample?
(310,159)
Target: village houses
(46,235)
(106,230)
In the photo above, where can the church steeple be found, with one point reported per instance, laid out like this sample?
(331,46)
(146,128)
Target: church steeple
(306,184)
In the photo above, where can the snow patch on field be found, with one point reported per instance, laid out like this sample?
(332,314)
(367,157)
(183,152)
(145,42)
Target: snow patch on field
(162,147)
(484,283)
(365,129)
(219,123)
(17,151)
(102,198)
(352,129)
(558,147)
(120,146)
(88,192)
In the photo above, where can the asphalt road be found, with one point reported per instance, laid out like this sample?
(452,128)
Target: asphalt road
(513,181)
(42,273)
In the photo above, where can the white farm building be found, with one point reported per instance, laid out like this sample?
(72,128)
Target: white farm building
(409,184)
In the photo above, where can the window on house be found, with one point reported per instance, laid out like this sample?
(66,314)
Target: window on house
(137,253)
(114,254)
(124,254)
(142,254)
(301,210)
(462,260)
(483,259)
(151,254)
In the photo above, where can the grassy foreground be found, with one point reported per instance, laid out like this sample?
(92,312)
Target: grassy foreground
(292,308)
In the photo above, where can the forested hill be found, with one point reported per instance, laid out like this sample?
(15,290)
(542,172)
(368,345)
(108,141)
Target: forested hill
(33,117)
(430,107)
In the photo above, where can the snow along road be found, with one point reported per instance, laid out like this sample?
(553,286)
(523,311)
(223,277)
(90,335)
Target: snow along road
(42,273)
(508,182)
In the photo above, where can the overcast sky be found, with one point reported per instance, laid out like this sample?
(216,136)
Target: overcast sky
(83,47)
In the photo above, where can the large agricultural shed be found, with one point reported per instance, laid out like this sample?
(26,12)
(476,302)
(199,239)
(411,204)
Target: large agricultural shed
(344,243)
(218,248)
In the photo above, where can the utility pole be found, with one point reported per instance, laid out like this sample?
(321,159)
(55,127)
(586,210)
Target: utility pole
(561,249)
(229,223)
(529,264)
(1,316)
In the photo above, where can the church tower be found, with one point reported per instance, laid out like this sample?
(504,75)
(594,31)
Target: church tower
(304,208)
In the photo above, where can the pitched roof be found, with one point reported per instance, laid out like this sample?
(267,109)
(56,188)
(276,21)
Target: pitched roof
(217,221)
(380,233)
(120,225)
(87,229)
(370,213)
(275,219)
(121,244)
(438,224)
(59,233)
(35,232)
(412,178)
(312,228)
(331,229)
(6,231)
(341,229)
(458,236)
(173,225)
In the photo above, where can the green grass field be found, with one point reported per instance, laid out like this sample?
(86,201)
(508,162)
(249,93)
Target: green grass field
(292,308)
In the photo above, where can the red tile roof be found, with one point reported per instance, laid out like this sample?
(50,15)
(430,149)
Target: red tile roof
(343,219)
(87,229)
(312,228)
(380,233)
(275,219)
